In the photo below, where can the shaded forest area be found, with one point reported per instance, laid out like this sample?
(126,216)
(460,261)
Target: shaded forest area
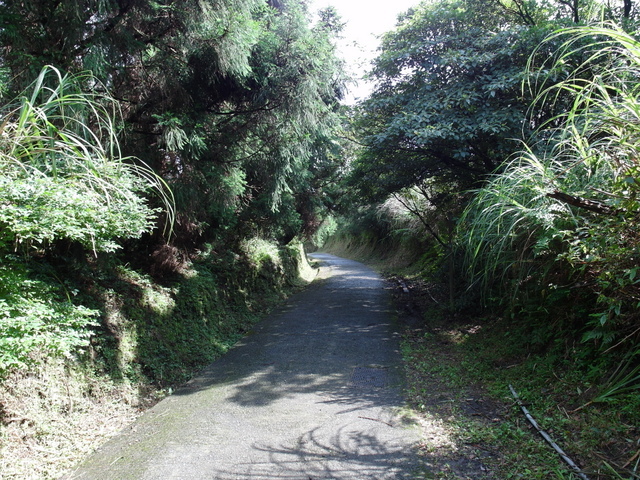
(162,163)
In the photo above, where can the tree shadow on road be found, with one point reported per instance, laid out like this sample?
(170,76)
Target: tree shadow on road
(350,453)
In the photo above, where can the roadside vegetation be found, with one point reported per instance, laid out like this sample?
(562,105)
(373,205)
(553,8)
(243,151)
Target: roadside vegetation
(500,172)
(151,337)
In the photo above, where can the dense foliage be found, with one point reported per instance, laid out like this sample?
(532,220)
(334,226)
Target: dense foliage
(232,102)
(62,179)
(564,220)
(155,129)
(62,173)
(508,130)
(448,103)
(461,87)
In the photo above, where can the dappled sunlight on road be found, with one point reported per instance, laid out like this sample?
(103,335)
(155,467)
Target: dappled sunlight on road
(314,392)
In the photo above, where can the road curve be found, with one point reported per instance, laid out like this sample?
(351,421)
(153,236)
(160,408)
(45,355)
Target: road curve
(314,392)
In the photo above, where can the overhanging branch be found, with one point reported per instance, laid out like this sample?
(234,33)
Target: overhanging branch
(416,211)
(586,204)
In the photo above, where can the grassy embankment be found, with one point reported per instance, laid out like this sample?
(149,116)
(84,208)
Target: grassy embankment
(152,335)
(460,363)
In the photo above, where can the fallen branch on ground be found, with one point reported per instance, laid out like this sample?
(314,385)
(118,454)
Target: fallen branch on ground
(376,420)
(546,436)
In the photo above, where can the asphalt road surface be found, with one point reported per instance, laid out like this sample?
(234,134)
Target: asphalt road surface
(314,392)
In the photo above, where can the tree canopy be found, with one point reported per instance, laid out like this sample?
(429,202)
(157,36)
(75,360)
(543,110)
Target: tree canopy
(448,102)
(230,102)
(214,118)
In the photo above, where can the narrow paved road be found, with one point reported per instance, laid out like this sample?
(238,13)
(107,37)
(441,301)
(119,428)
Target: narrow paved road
(312,393)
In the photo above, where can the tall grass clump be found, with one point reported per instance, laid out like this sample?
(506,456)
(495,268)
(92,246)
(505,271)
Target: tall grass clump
(512,226)
(561,220)
(62,175)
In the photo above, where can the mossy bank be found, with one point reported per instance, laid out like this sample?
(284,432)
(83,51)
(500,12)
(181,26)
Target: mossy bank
(152,334)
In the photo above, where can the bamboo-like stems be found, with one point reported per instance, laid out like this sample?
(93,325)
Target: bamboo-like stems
(546,436)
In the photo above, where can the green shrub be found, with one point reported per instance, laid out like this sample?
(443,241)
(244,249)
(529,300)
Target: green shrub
(37,319)
(62,177)
(61,172)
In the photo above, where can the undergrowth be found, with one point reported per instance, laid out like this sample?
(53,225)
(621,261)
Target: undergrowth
(574,399)
(483,427)
(589,403)
(600,432)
